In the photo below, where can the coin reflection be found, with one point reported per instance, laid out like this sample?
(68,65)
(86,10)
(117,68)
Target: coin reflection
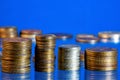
(6,76)
(68,75)
(100,75)
(44,76)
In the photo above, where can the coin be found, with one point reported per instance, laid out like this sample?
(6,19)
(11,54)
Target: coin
(62,35)
(85,36)
(88,40)
(69,55)
(109,34)
(8,31)
(44,53)
(101,58)
(30,34)
(101,51)
(16,55)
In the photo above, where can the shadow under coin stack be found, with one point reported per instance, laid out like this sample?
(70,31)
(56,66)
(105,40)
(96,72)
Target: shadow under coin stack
(101,59)
(44,53)
(16,55)
(69,57)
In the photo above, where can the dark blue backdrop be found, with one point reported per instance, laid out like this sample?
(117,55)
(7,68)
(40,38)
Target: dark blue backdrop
(74,16)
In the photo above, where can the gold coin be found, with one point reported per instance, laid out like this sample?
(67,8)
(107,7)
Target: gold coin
(101,68)
(46,36)
(7,28)
(44,69)
(82,56)
(85,36)
(101,52)
(107,34)
(88,40)
(23,70)
(74,68)
(30,32)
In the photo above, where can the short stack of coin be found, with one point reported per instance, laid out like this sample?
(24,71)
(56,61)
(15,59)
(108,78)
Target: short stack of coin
(82,55)
(30,34)
(8,32)
(44,53)
(101,59)
(85,36)
(109,34)
(16,55)
(69,57)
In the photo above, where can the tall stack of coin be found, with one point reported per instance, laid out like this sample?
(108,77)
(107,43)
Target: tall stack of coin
(30,33)
(69,57)
(16,55)
(8,32)
(101,59)
(44,53)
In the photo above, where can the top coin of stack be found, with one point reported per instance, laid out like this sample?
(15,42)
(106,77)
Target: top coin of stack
(44,53)
(86,38)
(69,57)
(62,36)
(30,33)
(8,32)
(101,58)
(109,34)
(16,55)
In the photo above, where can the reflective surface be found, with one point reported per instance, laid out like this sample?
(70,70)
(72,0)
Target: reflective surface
(82,74)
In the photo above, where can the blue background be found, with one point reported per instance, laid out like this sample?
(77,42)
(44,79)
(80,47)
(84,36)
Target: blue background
(73,16)
(70,16)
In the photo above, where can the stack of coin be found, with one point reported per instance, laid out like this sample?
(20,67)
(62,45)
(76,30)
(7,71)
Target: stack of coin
(109,34)
(82,55)
(44,53)
(85,36)
(62,36)
(30,33)
(69,57)
(16,55)
(101,59)
(88,40)
(8,32)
